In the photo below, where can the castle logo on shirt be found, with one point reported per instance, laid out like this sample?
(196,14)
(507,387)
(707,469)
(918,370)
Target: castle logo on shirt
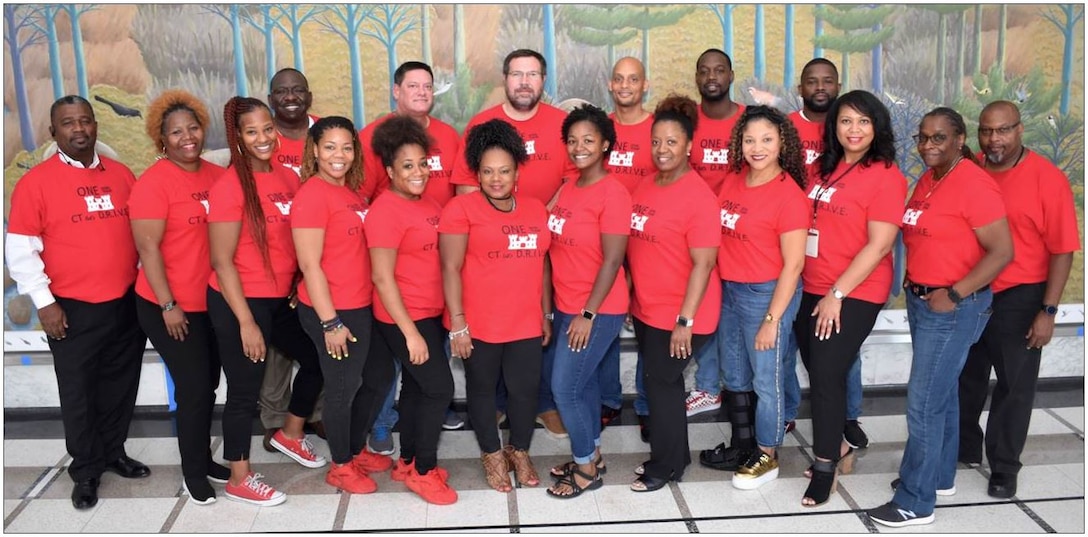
(729,220)
(555,224)
(825,194)
(715,156)
(811,157)
(638,221)
(530,147)
(522,242)
(911,216)
(98,203)
(435,163)
(624,159)
(207,206)
(362,215)
(284,207)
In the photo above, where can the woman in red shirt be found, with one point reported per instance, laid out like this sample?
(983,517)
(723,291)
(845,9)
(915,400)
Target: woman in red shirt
(957,241)
(254,267)
(170,227)
(671,254)
(401,231)
(856,207)
(492,240)
(335,294)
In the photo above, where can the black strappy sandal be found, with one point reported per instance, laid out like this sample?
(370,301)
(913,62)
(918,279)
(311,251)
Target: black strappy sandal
(595,482)
(824,478)
(569,466)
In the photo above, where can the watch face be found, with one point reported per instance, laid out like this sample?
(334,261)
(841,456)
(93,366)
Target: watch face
(1050,310)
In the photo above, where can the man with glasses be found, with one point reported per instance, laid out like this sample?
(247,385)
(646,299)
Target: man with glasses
(1041,217)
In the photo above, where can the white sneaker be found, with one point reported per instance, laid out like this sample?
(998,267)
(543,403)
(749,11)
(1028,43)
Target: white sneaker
(699,401)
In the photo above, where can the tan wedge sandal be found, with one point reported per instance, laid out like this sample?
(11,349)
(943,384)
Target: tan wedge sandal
(497,471)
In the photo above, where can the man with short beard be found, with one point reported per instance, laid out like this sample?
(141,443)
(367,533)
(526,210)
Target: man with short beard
(1041,216)
(717,116)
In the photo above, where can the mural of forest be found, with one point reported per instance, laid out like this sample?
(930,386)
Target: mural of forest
(914,57)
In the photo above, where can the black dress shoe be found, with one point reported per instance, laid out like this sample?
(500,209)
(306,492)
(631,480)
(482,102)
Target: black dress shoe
(127,467)
(1002,485)
(85,493)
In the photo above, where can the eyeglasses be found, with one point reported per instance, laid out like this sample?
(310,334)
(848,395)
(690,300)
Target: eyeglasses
(532,75)
(921,139)
(297,90)
(983,131)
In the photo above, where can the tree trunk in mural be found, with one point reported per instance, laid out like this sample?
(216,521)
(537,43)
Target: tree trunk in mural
(857,23)
(961,53)
(656,17)
(551,82)
(787,63)
(942,32)
(46,22)
(1065,19)
(391,22)
(425,32)
(760,61)
(976,65)
(297,18)
(818,51)
(240,80)
(351,17)
(724,13)
(265,23)
(598,26)
(16,19)
(458,36)
(74,13)
(877,64)
(1002,37)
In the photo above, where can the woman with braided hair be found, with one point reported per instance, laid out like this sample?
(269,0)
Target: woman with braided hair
(254,265)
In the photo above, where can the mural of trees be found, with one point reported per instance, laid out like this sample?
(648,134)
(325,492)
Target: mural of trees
(599,26)
(760,48)
(45,21)
(656,17)
(390,23)
(260,18)
(551,82)
(346,21)
(233,15)
(296,16)
(1065,17)
(74,12)
(724,13)
(942,11)
(18,18)
(787,48)
(856,23)
(425,32)
(458,36)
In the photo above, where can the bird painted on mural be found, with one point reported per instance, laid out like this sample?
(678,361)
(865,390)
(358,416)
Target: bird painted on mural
(895,100)
(1052,121)
(764,97)
(442,87)
(985,90)
(1022,93)
(118,109)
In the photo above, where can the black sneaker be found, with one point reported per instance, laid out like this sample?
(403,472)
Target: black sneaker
(894,516)
(608,415)
(644,428)
(855,436)
(723,458)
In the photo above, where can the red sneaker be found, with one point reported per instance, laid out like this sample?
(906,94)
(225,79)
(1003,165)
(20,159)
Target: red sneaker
(401,470)
(346,477)
(431,487)
(367,462)
(300,450)
(253,490)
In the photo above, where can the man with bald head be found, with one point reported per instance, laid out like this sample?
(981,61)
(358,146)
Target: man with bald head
(1039,203)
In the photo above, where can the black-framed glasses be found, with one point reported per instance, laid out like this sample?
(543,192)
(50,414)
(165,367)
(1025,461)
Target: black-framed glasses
(921,139)
(984,131)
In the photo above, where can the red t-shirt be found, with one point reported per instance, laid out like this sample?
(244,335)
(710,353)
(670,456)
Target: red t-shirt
(752,219)
(548,165)
(82,218)
(666,222)
(445,149)
(632,158)
(812,143)
(344,257)
(577,221)
(502,279)
(289,152)
(846,206)
(276,189)
(1042,219)
(710,147)
(940,220)
(167,192)
(410,227)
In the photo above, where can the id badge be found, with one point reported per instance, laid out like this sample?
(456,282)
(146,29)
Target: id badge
(812,243)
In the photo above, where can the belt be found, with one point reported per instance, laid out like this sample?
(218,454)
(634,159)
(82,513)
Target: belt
(920,290)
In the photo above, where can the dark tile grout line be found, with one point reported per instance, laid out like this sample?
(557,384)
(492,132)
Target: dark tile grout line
(1079,433)
(803,447)
(341,511)
(172,518)
(57,470)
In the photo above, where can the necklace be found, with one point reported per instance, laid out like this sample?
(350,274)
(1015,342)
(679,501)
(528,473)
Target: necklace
(513,203)
(937,180)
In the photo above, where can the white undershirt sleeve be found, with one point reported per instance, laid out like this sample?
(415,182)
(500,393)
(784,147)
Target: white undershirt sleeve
(23,256)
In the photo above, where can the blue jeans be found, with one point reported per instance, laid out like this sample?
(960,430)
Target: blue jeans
(940,342)
(793,386)
(574,381)
(609,380)
(709,370)
(387,416)
(746,369)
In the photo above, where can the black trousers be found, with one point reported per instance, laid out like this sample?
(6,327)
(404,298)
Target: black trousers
(345,423)
(194,367)
(518,363)
(828,362)
(280,327)
(426,389)
(663,378)
(98,372)
(1003,348)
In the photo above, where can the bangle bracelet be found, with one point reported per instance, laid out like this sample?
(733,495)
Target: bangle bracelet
(452,315)
(459,333)
(331,324)
(333,328)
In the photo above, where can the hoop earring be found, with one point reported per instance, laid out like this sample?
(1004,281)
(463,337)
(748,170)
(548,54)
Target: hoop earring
(277,150)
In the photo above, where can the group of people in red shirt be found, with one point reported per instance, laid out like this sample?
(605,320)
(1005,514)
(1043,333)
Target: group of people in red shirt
(731,232)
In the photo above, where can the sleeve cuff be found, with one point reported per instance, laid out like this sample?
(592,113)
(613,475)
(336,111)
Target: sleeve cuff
(42,298)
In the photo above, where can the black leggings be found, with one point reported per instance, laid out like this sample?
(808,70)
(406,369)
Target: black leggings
(280,327)
(828,362)
(518,362)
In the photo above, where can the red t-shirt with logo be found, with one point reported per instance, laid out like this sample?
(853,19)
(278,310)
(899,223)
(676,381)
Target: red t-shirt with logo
(940,221)
(167,192)
(410,227)
(710,147)
(632,158)
(666,222)
(276,189)
(1042,219)
(848,201)
(502,279)
(548,165)
(289,152)
(82,218)
(579,217)
(445,149)
(752,220)
(812,143)
(340,212)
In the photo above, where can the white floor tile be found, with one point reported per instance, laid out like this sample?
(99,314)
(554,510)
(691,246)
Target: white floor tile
(51,516)
(721,498)
(10,505)
(34,452)
(1047,482)
(783,495)
(385,510)
(223,516)
(473,508)
(1064,517)
(536,507)
(619,502)
(455,445)
(885,429)
(837,523)
(156,451)
(130,515)
(1074,415)
(873,490)
(625,529)
(301,512)
(1008,518)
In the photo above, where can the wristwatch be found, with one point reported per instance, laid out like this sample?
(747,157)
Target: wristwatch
(768,319)
(550,316)
(954,295)
(684,321)
(1050,310)
(169,306)
(586,314)
(839,295)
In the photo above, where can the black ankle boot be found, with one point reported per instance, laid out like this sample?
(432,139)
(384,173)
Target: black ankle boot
(741,412)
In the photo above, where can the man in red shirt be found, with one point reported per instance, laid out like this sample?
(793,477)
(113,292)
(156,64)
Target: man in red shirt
(1043,224)
(70,247)
(289,98)
(717,116)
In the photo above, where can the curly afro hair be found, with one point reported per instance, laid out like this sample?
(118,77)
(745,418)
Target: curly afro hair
(596,117)
(681,109)
(492,134)
(167,103)
(395,133)
(790,156)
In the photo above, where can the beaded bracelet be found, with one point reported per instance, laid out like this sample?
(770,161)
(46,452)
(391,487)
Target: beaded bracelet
(332,325)
(459,333)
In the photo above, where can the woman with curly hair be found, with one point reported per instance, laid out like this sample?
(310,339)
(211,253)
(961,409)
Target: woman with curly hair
(401,231)
(254,266)
(763,222)
(491,241)
(857,207)
(168,208)
(590,223)
(671,254)
(335,295)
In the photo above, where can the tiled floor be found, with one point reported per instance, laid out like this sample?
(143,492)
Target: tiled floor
(1051,491)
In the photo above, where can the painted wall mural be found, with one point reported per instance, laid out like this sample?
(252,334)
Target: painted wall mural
(914,57)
